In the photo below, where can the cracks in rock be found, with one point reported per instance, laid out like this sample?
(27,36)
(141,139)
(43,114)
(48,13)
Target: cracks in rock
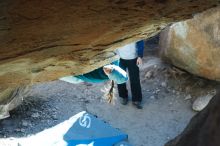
(81,50)
(161,1)
(126,10)
(28,18)
(119,2)
(5,29)
(129,9)
(95,10)
(51,46)
(117,41)
(37,50)
(3,18)
(140,4)
(102,56)
(137,9)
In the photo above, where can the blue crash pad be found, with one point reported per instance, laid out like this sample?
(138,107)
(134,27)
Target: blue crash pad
(90,130)
(83,129)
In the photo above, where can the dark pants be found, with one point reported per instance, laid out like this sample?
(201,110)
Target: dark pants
(134,78)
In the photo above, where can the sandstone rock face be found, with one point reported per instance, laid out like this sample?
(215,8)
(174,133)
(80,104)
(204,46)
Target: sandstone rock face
(48,39)
(194,45)
(203,129)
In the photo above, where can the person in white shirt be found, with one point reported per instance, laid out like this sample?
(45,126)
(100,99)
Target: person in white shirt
(130,57)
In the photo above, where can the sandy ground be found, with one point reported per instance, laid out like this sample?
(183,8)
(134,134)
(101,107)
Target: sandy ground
(165,113)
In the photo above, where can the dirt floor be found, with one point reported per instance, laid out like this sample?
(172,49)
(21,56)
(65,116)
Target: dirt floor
(168,94)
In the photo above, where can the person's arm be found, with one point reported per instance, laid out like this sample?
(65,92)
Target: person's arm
(140,48)
(140,51)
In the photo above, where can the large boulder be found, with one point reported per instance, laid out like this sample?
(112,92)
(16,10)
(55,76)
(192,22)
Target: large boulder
(194,45)
(43,40)
(203,129)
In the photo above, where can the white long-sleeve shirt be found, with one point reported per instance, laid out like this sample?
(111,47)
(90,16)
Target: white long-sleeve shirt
(128,51)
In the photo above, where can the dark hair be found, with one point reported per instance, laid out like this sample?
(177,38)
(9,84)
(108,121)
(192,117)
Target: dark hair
(110,94)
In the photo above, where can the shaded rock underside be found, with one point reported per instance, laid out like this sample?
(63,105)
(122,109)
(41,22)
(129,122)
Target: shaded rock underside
(42,40)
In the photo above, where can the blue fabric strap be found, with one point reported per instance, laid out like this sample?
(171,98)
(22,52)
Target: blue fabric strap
(140,48)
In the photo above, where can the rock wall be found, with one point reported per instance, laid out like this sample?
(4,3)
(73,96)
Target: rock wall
(194,45)
(42,40)
(203,129)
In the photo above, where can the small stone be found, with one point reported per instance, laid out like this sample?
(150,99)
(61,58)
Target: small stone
(164,84)
(188,97)
(152,97)
(212,92)
(54,117)
(35,115)
(17,130)
(201,102)
(25,123)
(188,89)
(122,143)
(22,130)
(156,91)
(148,75)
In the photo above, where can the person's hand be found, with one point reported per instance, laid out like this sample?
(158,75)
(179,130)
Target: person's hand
(107,70)
(139,61)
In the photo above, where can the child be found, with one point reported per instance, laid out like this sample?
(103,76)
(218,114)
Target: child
(108,72)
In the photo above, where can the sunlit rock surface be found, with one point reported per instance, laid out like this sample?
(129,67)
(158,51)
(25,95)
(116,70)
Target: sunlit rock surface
(194,45)
(44,40)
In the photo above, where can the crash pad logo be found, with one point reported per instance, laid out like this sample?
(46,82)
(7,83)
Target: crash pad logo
(85,121)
